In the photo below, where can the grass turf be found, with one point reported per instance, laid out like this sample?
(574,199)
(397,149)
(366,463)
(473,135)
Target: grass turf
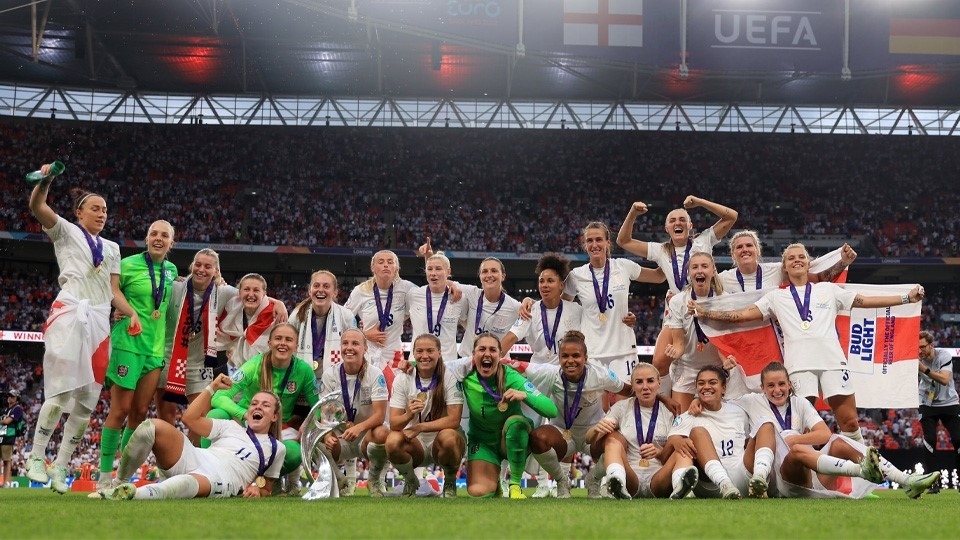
(37,513)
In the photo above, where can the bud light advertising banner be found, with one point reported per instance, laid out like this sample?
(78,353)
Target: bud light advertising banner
(765,35)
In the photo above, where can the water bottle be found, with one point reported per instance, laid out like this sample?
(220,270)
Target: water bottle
(56,169)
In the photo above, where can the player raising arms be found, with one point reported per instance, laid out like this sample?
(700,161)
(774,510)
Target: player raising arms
(76,337)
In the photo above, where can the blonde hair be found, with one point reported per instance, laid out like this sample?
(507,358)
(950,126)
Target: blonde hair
(303,307)
(747,233)
(276,427)
(668,247)
(715,282)
(783,259)
(501,372)
(444,260)
(266,361)
(368,285)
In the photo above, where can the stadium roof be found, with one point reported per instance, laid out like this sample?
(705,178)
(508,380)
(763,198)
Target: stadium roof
(375,48)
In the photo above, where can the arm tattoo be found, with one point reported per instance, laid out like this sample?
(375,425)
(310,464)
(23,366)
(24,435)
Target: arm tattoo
(729,316)
(830,273)
(858,301)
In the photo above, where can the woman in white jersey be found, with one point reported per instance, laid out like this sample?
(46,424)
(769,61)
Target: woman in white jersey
(577,389)
(551,316)
(671,256)
(750,273)
(807,314)
(364,390)
(321,321)
(603,288)
(425,411)
(735,453)
(245,328)
(77,332)
(432,308)
(689,349)
(633,439)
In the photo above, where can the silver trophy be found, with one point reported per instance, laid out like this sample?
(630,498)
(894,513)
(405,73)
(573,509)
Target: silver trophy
(328,415)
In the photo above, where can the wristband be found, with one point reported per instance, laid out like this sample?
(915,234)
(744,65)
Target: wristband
(904,298)
(209,389)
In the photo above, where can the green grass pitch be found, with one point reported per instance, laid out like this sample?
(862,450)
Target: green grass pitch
(36,513)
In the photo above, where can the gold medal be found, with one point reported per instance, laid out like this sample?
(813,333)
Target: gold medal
(567,435)
(603,318)
(644,463)
(260,481)
(155,314)
(422,396)
(699,347)
(349,425)
(502,406)
(316,365)
(804,325)
(96,269)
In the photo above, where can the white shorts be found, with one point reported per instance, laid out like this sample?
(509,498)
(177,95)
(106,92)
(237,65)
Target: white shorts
(199,461)
(578,442)
(198,377)
(822,382)
(621,365)
(351,450)
(846,487)
(645,476)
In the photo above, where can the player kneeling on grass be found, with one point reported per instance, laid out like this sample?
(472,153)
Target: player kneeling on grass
(240,460)
(735,455)
(425,412)
(633,439)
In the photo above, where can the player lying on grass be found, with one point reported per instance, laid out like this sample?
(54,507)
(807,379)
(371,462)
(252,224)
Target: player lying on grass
(240,460)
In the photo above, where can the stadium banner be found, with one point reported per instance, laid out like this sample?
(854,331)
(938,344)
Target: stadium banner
(887,34)
(636,31)
(491,21)
(880,344)
(770,35)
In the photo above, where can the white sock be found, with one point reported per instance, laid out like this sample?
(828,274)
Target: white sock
(350,470)
(405,469)
(715,472)
(182,486)
(137,449)
(855,435)
(763,462)
(47,420)
(677,477)
(892,472)
(616,470)
(550,462)
(835,466)
(377,454)
(73,430)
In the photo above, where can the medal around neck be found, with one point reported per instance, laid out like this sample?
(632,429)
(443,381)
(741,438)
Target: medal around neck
(56,169)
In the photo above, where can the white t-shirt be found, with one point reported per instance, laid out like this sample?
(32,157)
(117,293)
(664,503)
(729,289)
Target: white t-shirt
(624,414)
(453,313)
(364,306)
(238,456)
(818,347)
(611,338)
(373,387)
(75,258)
(405,389)
(770,278)
(597,380)
(729,428)
(532,330)
(677,317)
(702,243)
(803,416)
(496,321)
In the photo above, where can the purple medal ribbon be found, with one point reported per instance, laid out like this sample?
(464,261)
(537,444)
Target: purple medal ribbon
(477,329)
(570,413)
(680,277)
(383,314)
(433,382)
(701,337)
(347,400)
(96,248)
(784,421)
(196,322)
(158,292)
(319,338)
(803,309)
(496,397)
(550,337)
(443,307)
(261,469)
(638,421)
(759,279)
(602,297)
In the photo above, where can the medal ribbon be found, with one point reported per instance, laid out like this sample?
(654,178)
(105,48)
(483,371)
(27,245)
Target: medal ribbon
(570,413)
(602,296)
(785,421)
(158,292)
(319,338)
(496,397)
(347,400)
(550,336)
(477,329)
(96,248)
(433,381)
(383,314)
(759,279)
(638,421)
(196,319)
(680,277)
(701,337)
(261,469)
(803,309)
(443,307)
